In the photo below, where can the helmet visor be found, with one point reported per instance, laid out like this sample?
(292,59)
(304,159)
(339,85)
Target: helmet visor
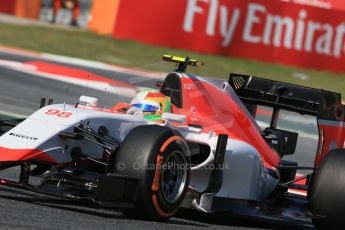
(146,107)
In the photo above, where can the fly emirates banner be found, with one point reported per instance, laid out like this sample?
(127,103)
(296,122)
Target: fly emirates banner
(268,30)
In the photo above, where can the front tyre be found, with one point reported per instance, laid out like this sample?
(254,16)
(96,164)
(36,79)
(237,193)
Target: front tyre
(159,158)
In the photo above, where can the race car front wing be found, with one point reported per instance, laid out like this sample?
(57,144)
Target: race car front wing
(102,190)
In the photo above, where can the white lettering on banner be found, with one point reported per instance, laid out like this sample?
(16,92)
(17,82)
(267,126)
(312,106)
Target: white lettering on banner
(227,34)
(324,42)
(226,30)
(212,16)
(312,27)
(262,27)
(300,29)
(250,21)
(279,24)
(321,4)
(339,38)
(192,9)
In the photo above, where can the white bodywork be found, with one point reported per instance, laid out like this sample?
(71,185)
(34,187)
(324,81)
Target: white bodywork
(244,176)
(40,130)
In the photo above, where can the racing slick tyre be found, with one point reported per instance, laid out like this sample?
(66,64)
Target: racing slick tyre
(159,158)
(327,201)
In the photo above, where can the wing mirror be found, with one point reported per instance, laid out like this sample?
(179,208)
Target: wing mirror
(170,117)
(88,101)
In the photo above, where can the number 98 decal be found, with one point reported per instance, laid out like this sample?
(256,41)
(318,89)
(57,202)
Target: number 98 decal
(59,113)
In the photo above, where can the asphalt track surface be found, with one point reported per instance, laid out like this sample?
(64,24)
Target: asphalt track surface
(20,93)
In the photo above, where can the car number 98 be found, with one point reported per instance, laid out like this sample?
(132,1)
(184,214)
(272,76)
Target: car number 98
(59,113)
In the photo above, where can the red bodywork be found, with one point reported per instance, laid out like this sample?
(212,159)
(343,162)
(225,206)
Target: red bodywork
(24,154)
(208,107)
(332,135)
(217,112)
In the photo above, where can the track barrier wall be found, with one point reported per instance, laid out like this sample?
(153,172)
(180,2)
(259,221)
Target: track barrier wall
(7,6)
(267,30)
(103,16)
(21,8)
(304,33)
(27,8)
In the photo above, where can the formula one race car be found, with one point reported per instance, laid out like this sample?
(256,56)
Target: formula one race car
(205,151)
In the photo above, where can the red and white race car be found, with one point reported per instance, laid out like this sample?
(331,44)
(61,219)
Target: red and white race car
(206,153)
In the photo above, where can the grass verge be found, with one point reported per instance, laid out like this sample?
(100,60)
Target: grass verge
(88,45)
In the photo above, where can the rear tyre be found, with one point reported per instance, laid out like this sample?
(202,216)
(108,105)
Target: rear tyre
(159,158)
(327,201)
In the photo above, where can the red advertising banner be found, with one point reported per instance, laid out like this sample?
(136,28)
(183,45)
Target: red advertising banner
(7,6)
(265,30)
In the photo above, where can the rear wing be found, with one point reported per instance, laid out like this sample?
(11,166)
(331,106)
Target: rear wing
(279,95)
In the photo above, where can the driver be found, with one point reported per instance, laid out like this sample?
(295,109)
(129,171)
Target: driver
(150,104)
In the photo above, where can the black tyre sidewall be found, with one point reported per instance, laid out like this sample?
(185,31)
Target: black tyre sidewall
(327,194)
(141,148)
